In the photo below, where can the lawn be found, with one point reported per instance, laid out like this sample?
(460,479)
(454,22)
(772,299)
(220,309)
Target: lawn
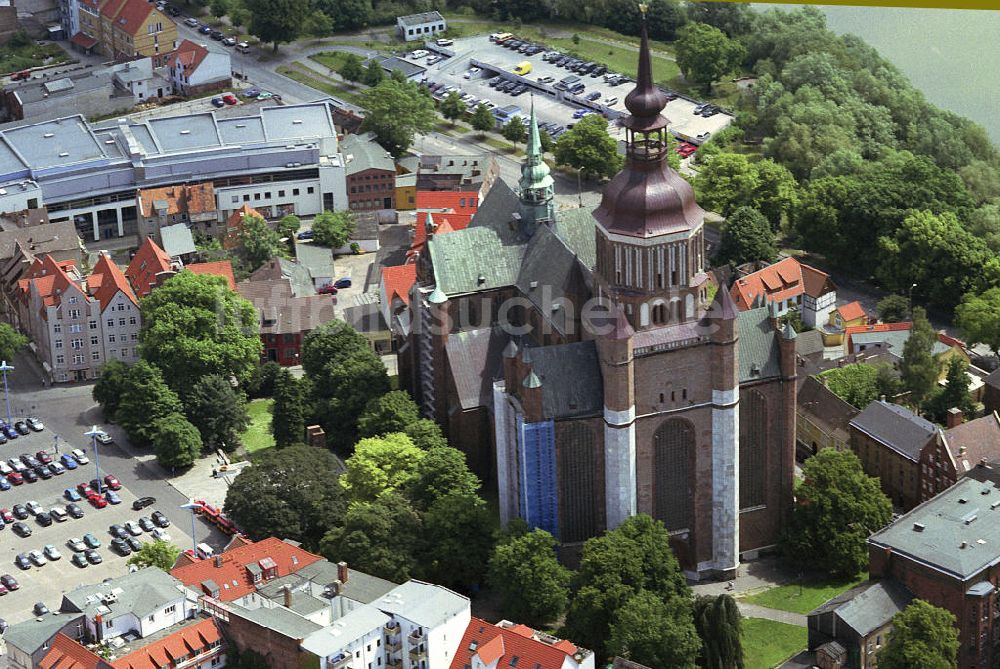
(316,80)
(805,597)
(768,643)
(13,59)
(333,60)
(258,436)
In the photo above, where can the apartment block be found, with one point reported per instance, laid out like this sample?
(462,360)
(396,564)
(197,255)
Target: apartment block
(124,29)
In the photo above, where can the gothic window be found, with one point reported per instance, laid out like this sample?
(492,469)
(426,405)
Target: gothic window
(753,450)
(580,465)
(673,450)
(659,314)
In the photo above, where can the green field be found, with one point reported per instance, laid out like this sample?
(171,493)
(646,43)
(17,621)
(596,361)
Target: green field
(805,597)
(767,643)
(258,435)
(13,59)
(303,75)
(331,59)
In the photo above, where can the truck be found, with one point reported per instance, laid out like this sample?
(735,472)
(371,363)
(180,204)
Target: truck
(523,68)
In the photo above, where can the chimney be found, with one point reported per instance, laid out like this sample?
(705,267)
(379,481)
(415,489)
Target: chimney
(287,590)
(338,587)
(342,572)
(955,417)
(218,561)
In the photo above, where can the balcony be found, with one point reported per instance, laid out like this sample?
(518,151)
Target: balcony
(340,661)
(391,663)
(391,627)
(393,646)
(416,636)
(418,654)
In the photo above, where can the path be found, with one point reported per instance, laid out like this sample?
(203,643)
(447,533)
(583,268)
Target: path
(754,611)
(752,578)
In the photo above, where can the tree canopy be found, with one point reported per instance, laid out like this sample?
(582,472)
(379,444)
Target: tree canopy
(531,583)
(11,341)
(288,412)
(393,412)
(705,54)
(396,112)
(655,632)
(380,465)
(175,441)
(156,553)
(589,148)
(277,21)
(919,368)
(452,107)
(144,399)
(893,309)
(747,237)
(515,130)
(719,625)
(259,242)
(837,507)
(923,636)
(483,119)
(333,229)
(107,391)
(218,410)
(856,383)
(730,181)
(978,316)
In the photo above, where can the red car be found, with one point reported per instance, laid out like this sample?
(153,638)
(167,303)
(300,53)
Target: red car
(85,490)
(98,501)
(229,99)
(7,516)
(21,76)
(112,482)
(15,478)
(328,289)
(44,457)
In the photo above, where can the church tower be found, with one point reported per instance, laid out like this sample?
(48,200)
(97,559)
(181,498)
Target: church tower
(535,187)
(650,243)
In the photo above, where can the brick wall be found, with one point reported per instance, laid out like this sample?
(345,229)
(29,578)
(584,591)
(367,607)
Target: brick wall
(898,474)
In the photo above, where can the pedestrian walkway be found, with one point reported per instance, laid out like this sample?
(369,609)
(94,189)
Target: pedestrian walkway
(754,611)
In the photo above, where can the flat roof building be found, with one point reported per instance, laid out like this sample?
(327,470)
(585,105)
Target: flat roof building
(418,26)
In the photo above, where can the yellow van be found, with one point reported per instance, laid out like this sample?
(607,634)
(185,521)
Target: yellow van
(523,68)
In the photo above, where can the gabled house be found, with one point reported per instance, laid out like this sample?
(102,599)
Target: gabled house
(823,418)
(371,173)
(125,29)
(194,69)
(190,204)
(508,644)
(789,284)
(150,266)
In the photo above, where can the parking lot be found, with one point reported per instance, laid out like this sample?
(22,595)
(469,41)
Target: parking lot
(551,105)
(48,582)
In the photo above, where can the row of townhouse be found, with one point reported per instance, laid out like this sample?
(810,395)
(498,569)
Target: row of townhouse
(121,29)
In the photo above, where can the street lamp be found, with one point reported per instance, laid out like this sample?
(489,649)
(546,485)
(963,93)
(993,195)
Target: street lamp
(191,506)
(97,462)
(4,368)
(910,298)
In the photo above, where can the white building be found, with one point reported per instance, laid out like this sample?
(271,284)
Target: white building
(194,69)
(420,26)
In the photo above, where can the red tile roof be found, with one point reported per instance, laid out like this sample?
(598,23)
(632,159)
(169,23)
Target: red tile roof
(133,14)
(233,573)
(780,281)
(184,199)
(187,56)
(222,268)
(851,311)
(50,279)
(68,654)
(398,281)
(188,641)
(147,262)
(445,222)
(110,8)
(877,327)
(459,201)
(84,41)
(493,642)
(948,340)
(106,281)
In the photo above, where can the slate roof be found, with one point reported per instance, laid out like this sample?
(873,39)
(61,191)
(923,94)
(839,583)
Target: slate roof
(39,239)
(868,606)
(759,353)
(138,593)
(279,619)
(809,342)
(576,228)
(823,404)
(282,269)
(474,357)
(975,441)
(365,154)
(474,260)
(968,512)
(572,385)
(550,277)
(177,240)
(32,633)
(895,426)
(315,258)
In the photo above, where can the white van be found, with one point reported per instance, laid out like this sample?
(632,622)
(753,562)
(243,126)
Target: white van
(243,47)
(204,551)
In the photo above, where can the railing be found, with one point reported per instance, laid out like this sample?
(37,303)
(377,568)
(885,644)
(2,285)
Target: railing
(418,654)
(340,661)
(392,627)
(394,663)
(393,646)
(415,636)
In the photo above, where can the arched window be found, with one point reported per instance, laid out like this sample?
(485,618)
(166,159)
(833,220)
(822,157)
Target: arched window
(673,450)
(753,450)
(580,464)
(659,313)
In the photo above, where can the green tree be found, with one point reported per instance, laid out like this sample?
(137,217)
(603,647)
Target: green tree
(290,493)
(277,21)
(747,237)
(654,632)
(923,636)
(374,74)
(452,107)
(11,341)
(457,541)
(288,422)
(145,399)
(483,119)
(837,507)
(392,412)
(978,317)
(719,625)
(333,229)
(955,393)
(218,410)
(219,8)
(727,182)
(705,54)
(175,441)
(345,376)
(379,465)
(380,538)
(318,24)
(108,389)
(259,242)
(589,148)
(238,15)
(893,309)
(194,325)
(289,225)
(918,368)
(514,131)
(157,553)
(261,383)
(352,69)
(442,472)
(615,567)
(426,434)
(857,383)
(396,112)
(531,583)
(346,14)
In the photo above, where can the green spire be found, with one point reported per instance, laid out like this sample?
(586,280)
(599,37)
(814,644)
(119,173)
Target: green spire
(534,173)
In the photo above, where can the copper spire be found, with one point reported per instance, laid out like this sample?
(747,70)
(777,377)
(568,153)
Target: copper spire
(646,100)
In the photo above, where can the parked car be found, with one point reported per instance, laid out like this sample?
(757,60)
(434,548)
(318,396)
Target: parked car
(16,464)
(444,42)
(29,476)
(595,96)
(305,234)
(146,524)
(419,53)
(229,41)
(21,511)
(51,553)
(74,510)
(5,484)
(30,461)
(6,515)
(120,546)
(118,531)
(434,60)
(161,535)
(21,529)
(611,102)
(22,561)
(43,472)
(112,497)
(205,30)
(5,468)
(57,469)
(191,22)
(266,95)
(93,557)
(471,72)
(59,515)
(340,284)
(80,456)
(85,489)
(43,519)
(328,289)
(15,478)
(160,520)
(112,482)
(22,428)
(229,99)
(217,35)
(90,541)
(23,75)
(9,582)
(97,501)
(142,503)
(104,438)
(37,558)
(79,560)
(133,543)
(133,528)
(546,79)
(217,102)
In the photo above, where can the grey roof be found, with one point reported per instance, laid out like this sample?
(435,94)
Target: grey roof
(393,64)
(317,259)
(365,154)
(474,360)
(423,604)
(297,121)
(571,379)
(472,260)
(297,275)
(365,318)
(897,427)
(981,589)
(242,130)
(550,276)
(822,403)
(868,606)
(184,133)
(305,604)
(360,587)
(759,353)
(139,593)
(966,514)
(809,342)
(177,240)
(893,339)
(58,142)
(419,19)
(278,618)
(345,630)
(576,228)
(29,635)
(993,379)
(10,163)
(410,163)
(495,210)
(40,239)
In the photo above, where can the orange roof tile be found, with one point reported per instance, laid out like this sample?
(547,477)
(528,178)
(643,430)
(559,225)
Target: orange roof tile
(188,56)
(458,201)
(877,327)
(107,280)
(187,641)
(84,41)
(147,262)
(948,340)
(49,278)
(222,268)
(780,281)
(486,640)
(110,8)
(445,222)
(234,224)
(133,14)
(398,280)
(65,653)
(184,199)
(851,311)
(232,577)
